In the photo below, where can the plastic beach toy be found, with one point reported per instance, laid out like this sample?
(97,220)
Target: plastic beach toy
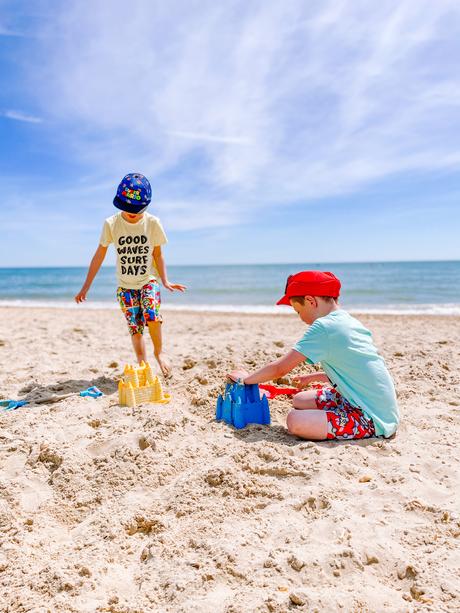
(92,392)
(241,405)
(138,385)
(273,390)
(10,405)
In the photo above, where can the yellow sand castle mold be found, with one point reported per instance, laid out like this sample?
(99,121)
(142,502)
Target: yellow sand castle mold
(138,385)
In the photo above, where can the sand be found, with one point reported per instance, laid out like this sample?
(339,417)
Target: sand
(160,508)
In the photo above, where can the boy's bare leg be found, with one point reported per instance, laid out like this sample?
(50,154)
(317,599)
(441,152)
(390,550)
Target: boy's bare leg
(139,347)
(311,425)
(155,335)
(305,400)
(306,420)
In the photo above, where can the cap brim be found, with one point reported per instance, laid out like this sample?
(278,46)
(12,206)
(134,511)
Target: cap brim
(135,209)
(284,300)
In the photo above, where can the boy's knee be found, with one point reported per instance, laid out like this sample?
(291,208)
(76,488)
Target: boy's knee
(154,323)
(311,425)
(292,421)
(304,400)
(297,399)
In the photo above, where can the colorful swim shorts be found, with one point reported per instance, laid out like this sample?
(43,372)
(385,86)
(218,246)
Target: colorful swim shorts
(140,305)
(344,421)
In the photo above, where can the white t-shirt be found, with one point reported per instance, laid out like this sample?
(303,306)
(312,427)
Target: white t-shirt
(134,243)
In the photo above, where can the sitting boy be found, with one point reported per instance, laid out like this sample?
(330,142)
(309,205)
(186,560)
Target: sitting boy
(356,397)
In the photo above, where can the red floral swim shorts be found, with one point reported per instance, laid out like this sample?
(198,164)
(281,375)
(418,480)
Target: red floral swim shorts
(140,306)
(344,421)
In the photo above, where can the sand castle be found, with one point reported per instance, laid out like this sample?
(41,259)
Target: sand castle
(241,405)
(138,385)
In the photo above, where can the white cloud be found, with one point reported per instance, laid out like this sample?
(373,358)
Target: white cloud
(20,116)
(193,215)
(84,207)
(256,104)
(211,138)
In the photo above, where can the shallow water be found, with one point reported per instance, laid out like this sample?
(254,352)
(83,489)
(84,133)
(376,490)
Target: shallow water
(392,287)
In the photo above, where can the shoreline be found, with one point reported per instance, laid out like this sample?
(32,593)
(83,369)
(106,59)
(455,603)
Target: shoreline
(436,310)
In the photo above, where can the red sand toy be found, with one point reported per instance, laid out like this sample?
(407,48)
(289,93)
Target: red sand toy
(272,391)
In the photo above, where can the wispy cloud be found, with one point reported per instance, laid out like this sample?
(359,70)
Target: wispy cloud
(276,102)
(87,205)
(191,214)
(4,31)
(9,16)
(20,116)
(210,138)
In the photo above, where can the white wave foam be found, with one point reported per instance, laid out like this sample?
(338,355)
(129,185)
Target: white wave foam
(391,309)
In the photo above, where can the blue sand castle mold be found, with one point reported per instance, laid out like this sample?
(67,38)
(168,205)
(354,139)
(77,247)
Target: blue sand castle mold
(241,405)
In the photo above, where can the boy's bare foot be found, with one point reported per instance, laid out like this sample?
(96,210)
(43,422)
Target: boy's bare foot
(164,365)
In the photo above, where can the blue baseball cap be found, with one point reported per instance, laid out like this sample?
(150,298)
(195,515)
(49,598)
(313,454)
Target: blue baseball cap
(133,194)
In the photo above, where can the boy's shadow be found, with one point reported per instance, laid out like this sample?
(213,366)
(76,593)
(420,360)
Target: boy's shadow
(278,434)
(39,393)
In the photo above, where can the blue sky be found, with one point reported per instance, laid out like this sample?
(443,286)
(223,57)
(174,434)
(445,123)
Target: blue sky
(271,131)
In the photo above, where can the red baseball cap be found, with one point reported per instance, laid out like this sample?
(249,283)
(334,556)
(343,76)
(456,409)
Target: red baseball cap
(310,283)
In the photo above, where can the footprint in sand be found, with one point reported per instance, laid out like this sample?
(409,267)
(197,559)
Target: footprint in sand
(46,455)
(34,493)
(50,458)
(313,506)
(96,450)
(188,363)
(142,525)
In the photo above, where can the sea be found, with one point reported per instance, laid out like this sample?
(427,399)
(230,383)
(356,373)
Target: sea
(431,288)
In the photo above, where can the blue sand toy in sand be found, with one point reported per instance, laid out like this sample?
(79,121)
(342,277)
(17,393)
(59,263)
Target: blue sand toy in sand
(242,405)
(10,405)
(93,392)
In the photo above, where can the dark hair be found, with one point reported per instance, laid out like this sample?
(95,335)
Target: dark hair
(301,299)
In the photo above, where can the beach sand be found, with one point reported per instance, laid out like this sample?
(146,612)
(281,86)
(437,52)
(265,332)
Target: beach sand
(159,508)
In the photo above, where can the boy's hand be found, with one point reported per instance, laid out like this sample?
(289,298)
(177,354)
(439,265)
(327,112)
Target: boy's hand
(237,374)
(174,286)
(81,296)
(304,380)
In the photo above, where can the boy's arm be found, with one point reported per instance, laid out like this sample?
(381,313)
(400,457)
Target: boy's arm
(161,267)
(93,269)
(274,370)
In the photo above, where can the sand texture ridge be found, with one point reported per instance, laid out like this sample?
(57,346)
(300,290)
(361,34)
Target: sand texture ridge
(111,509)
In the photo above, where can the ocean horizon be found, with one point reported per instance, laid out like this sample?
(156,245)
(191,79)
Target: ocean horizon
(430,287)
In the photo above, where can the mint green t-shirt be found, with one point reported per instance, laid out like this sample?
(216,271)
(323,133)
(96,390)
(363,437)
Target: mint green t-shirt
(350,359)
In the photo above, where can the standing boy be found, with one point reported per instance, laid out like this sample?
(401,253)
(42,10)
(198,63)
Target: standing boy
(137,237)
